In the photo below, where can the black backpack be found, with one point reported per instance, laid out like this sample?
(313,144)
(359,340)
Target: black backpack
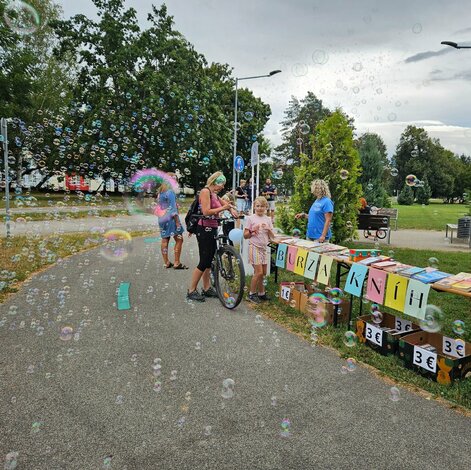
(191,219)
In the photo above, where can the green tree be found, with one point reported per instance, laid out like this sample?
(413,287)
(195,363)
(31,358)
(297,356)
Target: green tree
(373,163)
(406,196)
(423,193)
(297,128)
(29,82)
(335,160)
(137,113)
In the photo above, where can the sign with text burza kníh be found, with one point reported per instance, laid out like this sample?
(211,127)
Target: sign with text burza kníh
(392,290)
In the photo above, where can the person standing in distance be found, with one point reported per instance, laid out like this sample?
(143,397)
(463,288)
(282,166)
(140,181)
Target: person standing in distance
(320,214)
(270,191)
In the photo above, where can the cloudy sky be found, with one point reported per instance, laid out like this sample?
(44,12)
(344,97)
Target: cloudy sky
(381,61)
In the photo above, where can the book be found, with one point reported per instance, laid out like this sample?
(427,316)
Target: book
(464,285)
(306,243)
(327,248)
(373,259)
(409,272)
(384,264)
(396,268)
(428,277)
(453,279)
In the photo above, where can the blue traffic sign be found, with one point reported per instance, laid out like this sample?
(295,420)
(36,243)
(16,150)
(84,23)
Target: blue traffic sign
(239,164)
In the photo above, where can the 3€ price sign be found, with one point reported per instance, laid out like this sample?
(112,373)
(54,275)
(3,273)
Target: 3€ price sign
(239,164)
(374,334)
(452,347)
(425,359)
(403,325)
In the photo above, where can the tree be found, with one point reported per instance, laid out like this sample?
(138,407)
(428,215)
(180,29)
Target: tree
(423,193)
(336,160)
(137,114)
(373,163)
(406,196)
(29,83)
(297,128)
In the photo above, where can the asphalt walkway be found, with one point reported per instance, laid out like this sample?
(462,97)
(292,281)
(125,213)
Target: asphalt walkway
(92,398)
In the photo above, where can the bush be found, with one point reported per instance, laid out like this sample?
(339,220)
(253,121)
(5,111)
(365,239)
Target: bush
(406,196)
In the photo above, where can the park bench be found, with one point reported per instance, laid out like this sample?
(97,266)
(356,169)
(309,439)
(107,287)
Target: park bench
(391,213)
(375,222)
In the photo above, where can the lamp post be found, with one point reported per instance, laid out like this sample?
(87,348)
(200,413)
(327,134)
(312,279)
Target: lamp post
(457,46)
(453,44)
(273,72)
(4,138)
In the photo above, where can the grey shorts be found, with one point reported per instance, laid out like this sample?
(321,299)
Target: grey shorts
(271,205)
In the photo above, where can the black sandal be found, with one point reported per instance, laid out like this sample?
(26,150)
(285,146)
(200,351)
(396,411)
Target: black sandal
(169,265)
(180,266)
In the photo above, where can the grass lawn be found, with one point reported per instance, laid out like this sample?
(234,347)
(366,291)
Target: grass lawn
(22,256)
(435,216)
(453,308)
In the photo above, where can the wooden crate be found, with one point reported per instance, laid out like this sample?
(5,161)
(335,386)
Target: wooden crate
(451,360)
(375,335)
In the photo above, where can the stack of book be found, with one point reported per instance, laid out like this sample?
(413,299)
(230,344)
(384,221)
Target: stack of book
(460,281)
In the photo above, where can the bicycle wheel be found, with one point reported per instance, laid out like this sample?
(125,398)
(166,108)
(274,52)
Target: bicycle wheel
(381,234)
(229,276)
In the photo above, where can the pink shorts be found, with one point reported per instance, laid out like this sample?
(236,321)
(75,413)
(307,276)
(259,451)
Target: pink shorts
(257,255)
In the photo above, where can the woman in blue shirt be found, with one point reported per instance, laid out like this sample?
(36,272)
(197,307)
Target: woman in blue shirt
(320,214)
(169,223)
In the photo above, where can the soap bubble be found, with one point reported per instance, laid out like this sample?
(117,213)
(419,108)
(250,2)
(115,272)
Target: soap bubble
(373,210)
(344,174)
(228,388)
(285,427)
(11,461)
(394,172)
(299,69)
(417,28)
(376,316)
(351,364)
(320,57)
(394,394)
(350,339)
(21,17)
(460,347)
(458,327)
(411,180)
(107,461)
(117,245)
(235,235)
(335,295)
(316,309)
(357,66)
(248,116)
(433,262)
(67,333)
(433,318)
(296,232)
(304,129)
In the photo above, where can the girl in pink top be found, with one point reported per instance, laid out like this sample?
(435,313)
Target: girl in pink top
(258,230)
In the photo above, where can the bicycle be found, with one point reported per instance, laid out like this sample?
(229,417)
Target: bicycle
(227,269)
(380,233)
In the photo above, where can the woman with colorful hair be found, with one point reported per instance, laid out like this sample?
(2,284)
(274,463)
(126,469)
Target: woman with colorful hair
(169,223)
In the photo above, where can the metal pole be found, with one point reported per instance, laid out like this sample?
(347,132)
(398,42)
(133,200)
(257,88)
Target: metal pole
(4,132)
(235,140)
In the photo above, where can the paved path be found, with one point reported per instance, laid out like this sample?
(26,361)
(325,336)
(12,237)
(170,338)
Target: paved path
(420,240)
(69,404)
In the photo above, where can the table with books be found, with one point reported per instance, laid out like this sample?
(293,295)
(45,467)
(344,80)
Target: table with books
(382,281)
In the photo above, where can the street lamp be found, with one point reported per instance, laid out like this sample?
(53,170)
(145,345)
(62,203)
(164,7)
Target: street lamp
(453,44)
(273,72)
